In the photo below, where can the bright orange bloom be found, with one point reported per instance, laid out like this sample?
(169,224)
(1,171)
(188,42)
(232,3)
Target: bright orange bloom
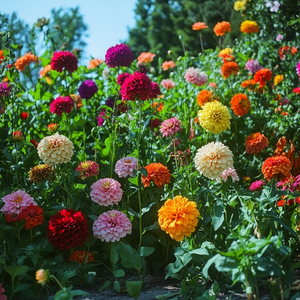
(285,113)
(44,72)
(221,28)
(294,50)
(1,56)
(33,216)
(229,68)
(145,57)
(178,217)
(276,167)
(248,84)
(249,27)
(204,96)
(199,26)
(158,173)
(94,63)
(160,107)
(240,104)
(77,100)
(168,65)
(25,60)
(262,76)
(256,142)
(227,57)
(81,256)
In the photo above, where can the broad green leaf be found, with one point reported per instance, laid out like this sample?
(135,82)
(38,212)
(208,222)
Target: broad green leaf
(134,288)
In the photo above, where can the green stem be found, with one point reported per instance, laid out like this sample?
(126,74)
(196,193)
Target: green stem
(19,236)
(55,279)
(175,154)
(17,162)
(112,157)
(202,48)
(12,287)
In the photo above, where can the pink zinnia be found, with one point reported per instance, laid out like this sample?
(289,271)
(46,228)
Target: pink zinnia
(87,169)
(62,104)
(106,192)
(256,185)
(2,290)
(16,202)
(125,166)
(64,60)
(298,69)
(195,76)
(296,90)
(168,84)
(111,226)
(230,172)
(170,127)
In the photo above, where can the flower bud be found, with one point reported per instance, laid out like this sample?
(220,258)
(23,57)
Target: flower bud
(42,276)
(17,136)
(170,52)
(52,127)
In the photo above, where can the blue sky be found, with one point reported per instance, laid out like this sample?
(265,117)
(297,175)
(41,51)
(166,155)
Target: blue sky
(107,20)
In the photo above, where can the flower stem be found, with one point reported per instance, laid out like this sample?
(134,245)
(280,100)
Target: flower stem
(55,279)
(220,42)
(175,155)
(202,48)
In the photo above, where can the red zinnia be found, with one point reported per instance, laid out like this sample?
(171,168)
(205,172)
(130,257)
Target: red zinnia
(277,167)
(256,142)
(67,229)
(32,215)
(64,60)
(62,104)
(262,76)
(24,115)
(81,256)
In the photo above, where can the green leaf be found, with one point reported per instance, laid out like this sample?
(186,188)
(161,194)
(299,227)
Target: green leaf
(218,215)
(117,286)
(104,286)
(114,256)
(133,180)
(146,251)
(16,270)
(144,172)
(119,273)
(134,288)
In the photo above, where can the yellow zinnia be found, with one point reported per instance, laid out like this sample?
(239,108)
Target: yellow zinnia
(214,117)
(178,217)
(239,5)
(249,27)
(278,79)
(225,51)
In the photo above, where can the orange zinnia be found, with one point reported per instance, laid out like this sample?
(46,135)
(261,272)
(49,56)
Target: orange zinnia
(168,65)
(33,216)
(227,57)
(94,63)
(221,28)
(199,26)
(294,50)
(248,84)
(277,167)
(145,57)
(249,27)
(204,96)
(1,56)
(25,60)
(81,256)
(158,173)
(229,68)
(262,76)
(240,104)
(178,217)
(160,107)
(256,142)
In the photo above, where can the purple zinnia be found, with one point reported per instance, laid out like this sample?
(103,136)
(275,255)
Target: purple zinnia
(119,56)
(256,185)
(87,89)
(253,66)
(110,102)
(5,89)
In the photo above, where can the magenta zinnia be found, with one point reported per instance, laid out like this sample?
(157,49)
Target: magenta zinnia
(64,60)
(87,169)
(62,104)
(170,127)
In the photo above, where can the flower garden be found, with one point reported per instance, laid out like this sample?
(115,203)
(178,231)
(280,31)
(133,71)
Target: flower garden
(188,167)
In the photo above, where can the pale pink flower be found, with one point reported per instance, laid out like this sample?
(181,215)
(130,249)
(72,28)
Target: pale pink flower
(87,169)
(279,37)
(195,76)
(256,185)
(168,84)
(111,226)
(230,172)
(125,166)
(170,126)
(106,192)
(2,290)
(16,202)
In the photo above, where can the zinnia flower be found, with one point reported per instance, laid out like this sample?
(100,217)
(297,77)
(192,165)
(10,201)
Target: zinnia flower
(145,57)
(5,89)
(62,104)
(106,192)
(45,71)
(2,290)
(81,257)
(279,37)
(17,136)
(52,127)
(178,217)
(225,51)
(34,143)
(221,28)
(253,66)
(77,100)
(24,116)
(249,27)
(277,167)
(121,78)
(157,173)
(95,62)
(25,60)
(32,215)
(64,60)
(41,173)
(214,117)
(230,172)
(262,76)
(111,226)
(199,26)
(229,68)
(124,167)
(42,276)
(257,185)
(15,202)
(168,84)
(239,5)
(204,96)
(55,149)
(68,229)
(170,127)
(296,90)
(119,56)
(298,69)
(212,159)
(168,65)
(255,143)
(278,79)
(87,89)
(240,104)
(195,76)
(87,169)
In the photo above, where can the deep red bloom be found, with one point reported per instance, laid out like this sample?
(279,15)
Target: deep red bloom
(154,123)
(62,104)
(32,215)
(64,60)
(262,76)
(34,142)
(67,229)
(24,115)
(12,218)
(155,90)
(121,78)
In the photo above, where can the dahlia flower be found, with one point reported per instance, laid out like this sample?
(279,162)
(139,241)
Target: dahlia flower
(168,84)
(17,136)
(124,167)
(119,56)
(230,172)
(87,89)
(168,65)
(87,169)
(42,276)
(257,185)
(214,117)
(62,104)
(178,217)
(95,62)
(55,149)
(145,57)
(25,60)
(15,202)
(32,215)
(277,167)
(64,60)
(170,127)
(212,159)
(204,96)
(67,229)
(41,173)
(199,26)
(111,226)
(5,89)
(221,28)
(253,66)
(240,104)
(81,256)
(249,27)
(229,68)
(255,143)
(106,192)
(157,173)
(195,76)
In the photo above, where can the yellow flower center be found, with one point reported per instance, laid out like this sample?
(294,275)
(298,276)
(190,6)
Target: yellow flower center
(18,199)
(128,161)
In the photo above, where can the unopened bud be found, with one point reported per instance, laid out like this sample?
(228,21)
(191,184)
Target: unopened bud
(17,136)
